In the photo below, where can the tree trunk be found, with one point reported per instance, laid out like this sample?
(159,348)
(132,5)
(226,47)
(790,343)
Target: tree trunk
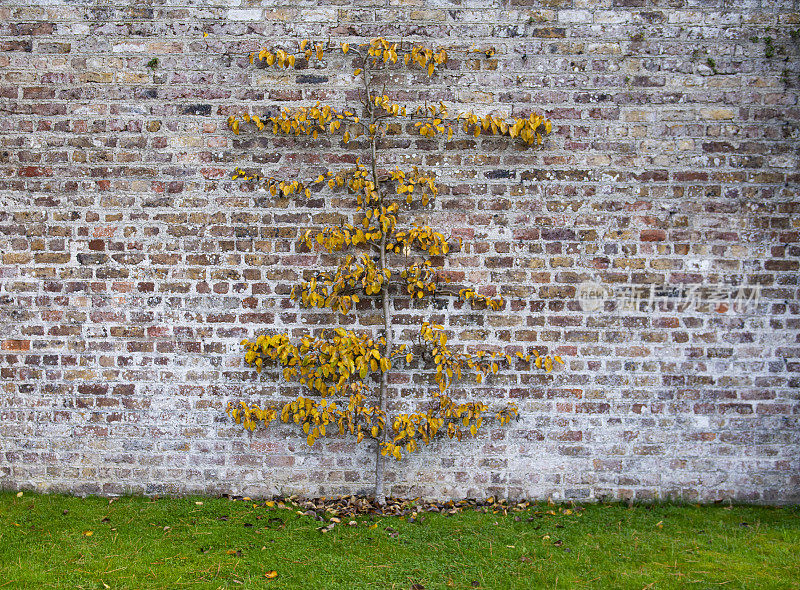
(380,460)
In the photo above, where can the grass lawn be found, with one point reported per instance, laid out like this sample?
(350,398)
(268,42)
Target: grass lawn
(50,541)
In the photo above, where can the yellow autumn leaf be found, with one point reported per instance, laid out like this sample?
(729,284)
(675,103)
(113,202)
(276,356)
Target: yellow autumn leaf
(345,48)
(271,574)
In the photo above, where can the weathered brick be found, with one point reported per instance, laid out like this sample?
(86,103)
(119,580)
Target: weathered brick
(132,265)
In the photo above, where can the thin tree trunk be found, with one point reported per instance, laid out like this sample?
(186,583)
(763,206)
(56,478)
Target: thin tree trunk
(380,460)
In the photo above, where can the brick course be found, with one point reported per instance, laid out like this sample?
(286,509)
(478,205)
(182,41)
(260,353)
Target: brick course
(132,265)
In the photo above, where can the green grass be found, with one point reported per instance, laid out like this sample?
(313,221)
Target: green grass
(217,543)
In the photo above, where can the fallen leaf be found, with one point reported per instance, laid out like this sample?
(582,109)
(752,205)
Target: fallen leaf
(19,494)
(199,503)
(271,574)
(88,533)
(417,586)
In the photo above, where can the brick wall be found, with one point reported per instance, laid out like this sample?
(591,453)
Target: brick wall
(132,265)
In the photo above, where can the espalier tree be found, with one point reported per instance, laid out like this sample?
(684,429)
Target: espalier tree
(344,373)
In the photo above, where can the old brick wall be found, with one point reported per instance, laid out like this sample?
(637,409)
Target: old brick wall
(132,265)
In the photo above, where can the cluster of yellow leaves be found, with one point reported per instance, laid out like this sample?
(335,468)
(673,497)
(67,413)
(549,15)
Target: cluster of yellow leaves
(408,183)
(541,362)
(285,59)
(376,222)
(422,237)
(302,121)
(476,298)
(446,417)
(317,419)
(356,180)
(282,188)
(280,58)
(505,415)
(420,279)
(531,130)
(327,364)
(434,123)
(379,50)
(450,364)
(391,108)
(489,52)
(337,291)
(426,58)
(324,418)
